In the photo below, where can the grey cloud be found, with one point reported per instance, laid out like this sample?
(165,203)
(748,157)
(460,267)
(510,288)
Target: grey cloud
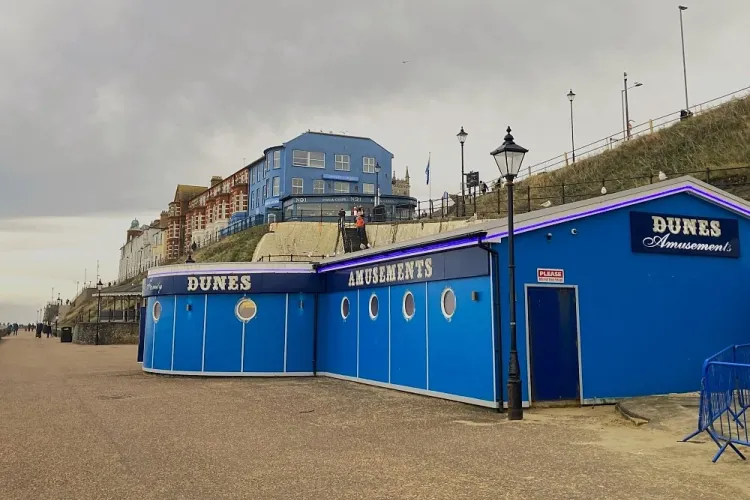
(108,105)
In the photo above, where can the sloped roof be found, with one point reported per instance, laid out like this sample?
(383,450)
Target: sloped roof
(122,290)
(495,230)
(185,192)
(331,134)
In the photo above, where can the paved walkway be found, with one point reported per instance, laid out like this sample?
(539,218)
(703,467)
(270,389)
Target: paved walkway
(83,422)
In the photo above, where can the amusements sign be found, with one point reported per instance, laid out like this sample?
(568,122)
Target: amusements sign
(684,235)
(463,263)
(231,283)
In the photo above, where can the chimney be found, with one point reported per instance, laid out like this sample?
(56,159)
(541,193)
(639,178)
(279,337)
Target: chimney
(216,179)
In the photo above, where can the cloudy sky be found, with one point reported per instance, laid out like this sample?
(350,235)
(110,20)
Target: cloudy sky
(106,106)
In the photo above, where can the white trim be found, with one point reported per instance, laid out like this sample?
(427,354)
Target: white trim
(174,331)
(228,374)
(242,352)
(153,341)
(442,302)
(358,306)
(403,305)
(524,404)
(421,392)
(526,287)
(286,329)
(389,334)
(493,332)
(374,295)
(427,335)
(230,268)
(245,298)
(349,303)
(205,315)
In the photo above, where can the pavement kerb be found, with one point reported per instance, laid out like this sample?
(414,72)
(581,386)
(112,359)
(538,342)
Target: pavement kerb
(632,416)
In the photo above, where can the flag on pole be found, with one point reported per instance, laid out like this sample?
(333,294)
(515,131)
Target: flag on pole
(427,170)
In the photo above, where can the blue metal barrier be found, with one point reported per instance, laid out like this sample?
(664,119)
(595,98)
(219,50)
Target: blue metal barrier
(725,399)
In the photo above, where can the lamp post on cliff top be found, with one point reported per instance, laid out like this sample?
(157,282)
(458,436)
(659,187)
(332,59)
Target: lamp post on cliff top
(99,310)
(509,157)
(377,184)
(572,96)
(462,139)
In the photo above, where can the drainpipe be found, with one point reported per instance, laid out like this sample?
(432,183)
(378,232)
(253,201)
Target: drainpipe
(494,259)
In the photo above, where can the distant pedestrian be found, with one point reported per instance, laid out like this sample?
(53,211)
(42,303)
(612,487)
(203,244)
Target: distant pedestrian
(361,232)
(483,188)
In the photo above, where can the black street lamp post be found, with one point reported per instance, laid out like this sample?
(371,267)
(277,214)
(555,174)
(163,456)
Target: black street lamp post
(462,139)
(509,157)
(99,310)
(572,96)
(377,184)
(684,66)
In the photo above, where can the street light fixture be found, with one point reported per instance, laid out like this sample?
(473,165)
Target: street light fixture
(377,183)
(99,310)
(462,139)
(509,157)
(684,66)
(572,96)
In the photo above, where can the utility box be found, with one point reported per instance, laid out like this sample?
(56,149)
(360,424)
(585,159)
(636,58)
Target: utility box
(66,334)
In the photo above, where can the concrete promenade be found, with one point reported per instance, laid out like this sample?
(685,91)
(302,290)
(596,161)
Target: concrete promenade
(83,422)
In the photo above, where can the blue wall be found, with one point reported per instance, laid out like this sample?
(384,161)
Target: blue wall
(356,147)
(427,352)
(279,339)
(647,321)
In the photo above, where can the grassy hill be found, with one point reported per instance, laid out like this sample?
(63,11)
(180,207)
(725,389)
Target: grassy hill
(713,146)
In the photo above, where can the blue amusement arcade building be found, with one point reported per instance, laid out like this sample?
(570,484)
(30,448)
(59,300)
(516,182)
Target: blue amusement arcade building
(619,296)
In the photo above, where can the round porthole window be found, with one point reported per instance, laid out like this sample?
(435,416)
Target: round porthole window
(156,311)
(373,306)
(345,308)
(448,303)
(245,310)
(408,305)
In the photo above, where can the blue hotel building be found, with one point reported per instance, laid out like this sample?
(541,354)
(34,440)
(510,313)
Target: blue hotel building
(315,174)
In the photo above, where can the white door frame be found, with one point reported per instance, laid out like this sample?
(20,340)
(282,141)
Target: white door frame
(526,287)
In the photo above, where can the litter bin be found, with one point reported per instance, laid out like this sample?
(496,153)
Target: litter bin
(378,213)
(66,334)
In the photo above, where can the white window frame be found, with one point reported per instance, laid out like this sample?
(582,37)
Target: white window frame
(342,163)
(337,185)
(276,186)
(368,188)
(322,184)
(276,159)
(368,167)
(298,189)
(301,158)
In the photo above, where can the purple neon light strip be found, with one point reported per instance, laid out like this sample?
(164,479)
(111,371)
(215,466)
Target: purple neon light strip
(435,247)
(622,204)
(230,271)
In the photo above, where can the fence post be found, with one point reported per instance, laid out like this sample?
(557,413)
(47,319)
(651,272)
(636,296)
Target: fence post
(651,125)
(566,158)
(497,189)
(563,193)
(419,209)
(528,196)
(708,174)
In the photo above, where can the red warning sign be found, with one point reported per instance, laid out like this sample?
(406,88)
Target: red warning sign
(550,275)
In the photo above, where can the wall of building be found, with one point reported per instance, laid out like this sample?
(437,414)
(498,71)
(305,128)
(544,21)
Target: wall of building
(141,252)
(109,333)
(429,352)
(201,334)
(647,321)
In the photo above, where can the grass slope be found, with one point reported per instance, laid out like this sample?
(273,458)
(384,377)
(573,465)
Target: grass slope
(704,146)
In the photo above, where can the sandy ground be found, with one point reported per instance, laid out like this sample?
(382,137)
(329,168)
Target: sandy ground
(83,422)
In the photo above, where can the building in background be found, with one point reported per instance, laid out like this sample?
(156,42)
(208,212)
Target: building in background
(176,215)
(401,187)
(143,249)
(210,211)
(316,174)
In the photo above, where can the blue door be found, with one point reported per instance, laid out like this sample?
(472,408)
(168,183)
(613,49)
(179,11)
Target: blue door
(553,338)
(141,334)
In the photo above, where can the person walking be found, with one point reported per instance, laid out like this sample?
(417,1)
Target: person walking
(361,232)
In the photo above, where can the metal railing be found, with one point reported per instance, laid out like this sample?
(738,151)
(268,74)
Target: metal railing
(110,316)
(291,258)
(725,399)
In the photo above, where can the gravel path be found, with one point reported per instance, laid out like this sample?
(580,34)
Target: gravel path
(83,422)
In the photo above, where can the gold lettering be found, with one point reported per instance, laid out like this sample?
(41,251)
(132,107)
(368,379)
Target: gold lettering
(220,282)
(420,266)
(715,228)
(360,277)
(410,270)
(428,267)
(674,225)
(660,225)
(205,283)
(400,267)
(703,228)
(382,274)
(233,283)
(391,270)
(375,276)
(352,281)
(368,276)
(192,283)
(689,226)
(245,284)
